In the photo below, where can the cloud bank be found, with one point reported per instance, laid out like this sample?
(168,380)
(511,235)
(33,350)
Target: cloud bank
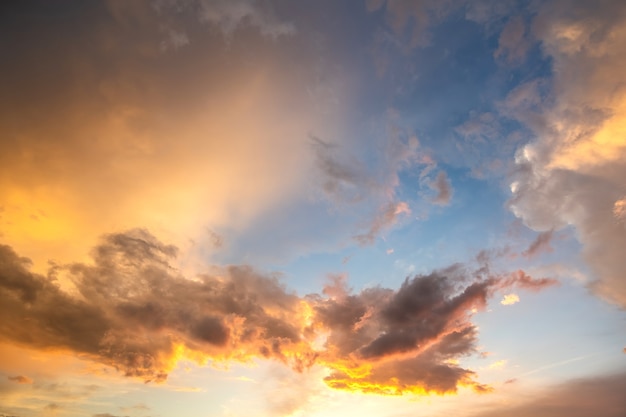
(131,310)
(573,173)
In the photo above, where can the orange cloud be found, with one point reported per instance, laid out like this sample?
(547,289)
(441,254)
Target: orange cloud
(131,310)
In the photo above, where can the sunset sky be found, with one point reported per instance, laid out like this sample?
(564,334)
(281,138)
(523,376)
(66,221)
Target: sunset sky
(377,208)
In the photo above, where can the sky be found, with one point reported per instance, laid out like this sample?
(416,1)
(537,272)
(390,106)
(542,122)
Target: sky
(382,208)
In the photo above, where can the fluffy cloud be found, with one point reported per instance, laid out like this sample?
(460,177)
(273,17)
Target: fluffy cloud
(572,174)
(390,342)
(130,309)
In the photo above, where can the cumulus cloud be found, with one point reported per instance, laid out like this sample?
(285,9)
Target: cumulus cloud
(131,310)
(572,173)
(391,342)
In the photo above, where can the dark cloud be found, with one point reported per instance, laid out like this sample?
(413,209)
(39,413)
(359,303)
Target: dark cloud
(132,310)
(391,342)
(601,397)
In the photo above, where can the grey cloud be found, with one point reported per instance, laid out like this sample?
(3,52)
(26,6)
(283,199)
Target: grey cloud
(408,336)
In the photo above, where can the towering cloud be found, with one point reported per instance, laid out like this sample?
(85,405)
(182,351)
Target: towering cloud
(573,173)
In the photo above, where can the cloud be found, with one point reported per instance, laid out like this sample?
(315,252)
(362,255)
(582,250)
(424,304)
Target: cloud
(509,299)
(105,415)
(346,181)
(601,396)
(498,365)
(230,15)
(130,309)
(52,408)
(572,173)
(386,218)
(21,379)
(513,44)
(392,342)
(539,245)
(134,312)
(442,187)
(175,40)
(413,19)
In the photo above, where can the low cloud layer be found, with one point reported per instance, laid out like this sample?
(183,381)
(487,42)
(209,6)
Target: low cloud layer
(131,310)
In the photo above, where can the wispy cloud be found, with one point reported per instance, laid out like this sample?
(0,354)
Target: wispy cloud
(441,185)
(21,379)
